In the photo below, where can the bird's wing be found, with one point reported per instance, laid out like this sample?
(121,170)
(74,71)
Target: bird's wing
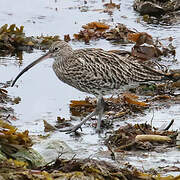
(95,67)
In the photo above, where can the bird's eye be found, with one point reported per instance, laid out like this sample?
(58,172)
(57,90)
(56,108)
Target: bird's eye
(56,48)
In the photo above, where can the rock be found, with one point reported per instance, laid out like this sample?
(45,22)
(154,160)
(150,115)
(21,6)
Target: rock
(146,52)
(50,149)
(158,11)
(157,7)
(148,8)
(31,156)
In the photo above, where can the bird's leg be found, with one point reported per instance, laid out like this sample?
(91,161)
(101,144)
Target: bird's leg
(98,111)
(75,128)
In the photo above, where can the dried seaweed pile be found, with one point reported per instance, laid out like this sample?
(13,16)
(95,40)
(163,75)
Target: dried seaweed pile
(13,40)
(6,112)
(74,169)
(158,11)
(128,104)
(9,136)
(140,137)
(92,31)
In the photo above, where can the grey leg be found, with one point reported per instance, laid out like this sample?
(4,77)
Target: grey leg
(75,128)
(98,111)
(100,107)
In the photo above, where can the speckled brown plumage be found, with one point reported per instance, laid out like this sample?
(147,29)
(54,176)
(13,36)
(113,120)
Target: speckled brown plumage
(99,72)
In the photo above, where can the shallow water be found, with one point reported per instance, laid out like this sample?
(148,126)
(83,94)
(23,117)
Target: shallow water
(44,97)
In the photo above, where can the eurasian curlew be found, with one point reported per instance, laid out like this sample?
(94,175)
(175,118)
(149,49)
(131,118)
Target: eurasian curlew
(97,72)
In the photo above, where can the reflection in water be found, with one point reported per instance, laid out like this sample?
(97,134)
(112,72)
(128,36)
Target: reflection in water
(18,55)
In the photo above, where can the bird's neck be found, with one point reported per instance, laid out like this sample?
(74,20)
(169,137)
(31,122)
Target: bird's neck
(62,60)
(65,54)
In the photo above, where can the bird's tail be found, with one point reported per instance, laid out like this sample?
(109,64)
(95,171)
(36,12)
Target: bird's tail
(173,75)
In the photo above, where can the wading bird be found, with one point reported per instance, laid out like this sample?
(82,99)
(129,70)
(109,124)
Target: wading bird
(97,72)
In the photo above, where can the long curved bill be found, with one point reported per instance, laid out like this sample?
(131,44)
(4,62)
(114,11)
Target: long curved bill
(47,55)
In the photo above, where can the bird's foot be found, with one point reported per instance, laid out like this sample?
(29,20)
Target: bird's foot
(99,110)
(72,129)
(99,131)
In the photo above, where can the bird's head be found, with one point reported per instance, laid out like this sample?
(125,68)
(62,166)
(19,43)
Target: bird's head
(58,50)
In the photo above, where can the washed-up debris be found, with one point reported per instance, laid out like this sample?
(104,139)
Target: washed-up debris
(148,7)
(94,169)
(44,42)
(97,30)
(163,170)
(146,48)
(17,100)
(141,38)
(159,91)
(92,31)
(146,52)
(13,40)
(128,104)
(76,169)
(156,8)
(9,136)
(116,107)
(17,146)
(96,26)
(110,7)
(132,99)
(4,97)
(29,156)
(140,136)
(48,127)
(6,112)
(141,51)
(118,34)
(60,123)
(82,107)
(13,169)
(153,138)
(51,148)
(167,19)
(67,38)
(158,11)
(12,37)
